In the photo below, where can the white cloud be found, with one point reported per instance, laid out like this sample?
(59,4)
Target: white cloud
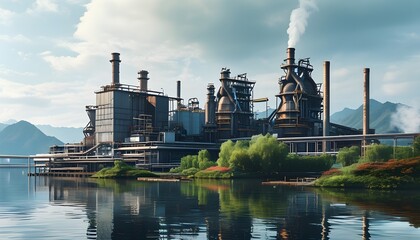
(6,16)
(16,38)
(45,103)
(43,6)
(4,71)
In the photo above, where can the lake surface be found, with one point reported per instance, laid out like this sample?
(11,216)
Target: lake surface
(76,208)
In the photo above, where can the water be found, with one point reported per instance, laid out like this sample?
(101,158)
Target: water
(72,208)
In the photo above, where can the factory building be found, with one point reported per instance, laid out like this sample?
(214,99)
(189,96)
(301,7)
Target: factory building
(151,130)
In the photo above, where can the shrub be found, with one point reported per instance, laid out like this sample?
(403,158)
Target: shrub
(347,156)
(378,153)
(121,170)
(190,171)
(416,146)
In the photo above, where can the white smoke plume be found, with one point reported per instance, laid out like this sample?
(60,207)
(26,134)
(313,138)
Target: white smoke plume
(299,20)
(407,119)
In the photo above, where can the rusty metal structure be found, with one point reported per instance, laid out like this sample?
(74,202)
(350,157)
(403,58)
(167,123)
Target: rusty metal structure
(299,112)
(151,130)
(234,109)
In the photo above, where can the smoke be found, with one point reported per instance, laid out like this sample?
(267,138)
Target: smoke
(299,20)
(407,119)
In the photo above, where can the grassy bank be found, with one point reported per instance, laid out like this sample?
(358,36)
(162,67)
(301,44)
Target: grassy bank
(393,174)
(122,170)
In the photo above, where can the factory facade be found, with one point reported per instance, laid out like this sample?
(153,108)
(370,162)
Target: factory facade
(151,130)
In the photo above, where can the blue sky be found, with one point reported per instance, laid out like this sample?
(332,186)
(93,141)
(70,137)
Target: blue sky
(55,53)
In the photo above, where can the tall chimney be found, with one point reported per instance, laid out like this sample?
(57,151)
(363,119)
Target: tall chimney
(210,108)
(143,78)
(290,56)
(366,98)
(225,73)
(115,68)
(326,103)
(178,89)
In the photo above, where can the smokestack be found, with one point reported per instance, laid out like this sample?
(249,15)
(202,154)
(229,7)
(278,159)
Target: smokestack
(366,97)
(210,108)
(178,89)
(290,56)
(225,73)
(115,68)
(326,127)
(142,77)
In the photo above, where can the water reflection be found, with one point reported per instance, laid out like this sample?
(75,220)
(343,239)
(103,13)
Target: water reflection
(57,208)
(208,209)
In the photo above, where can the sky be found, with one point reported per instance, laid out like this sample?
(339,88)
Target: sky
(54,54)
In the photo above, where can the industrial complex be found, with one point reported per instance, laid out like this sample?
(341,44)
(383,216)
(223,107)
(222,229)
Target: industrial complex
(151,130)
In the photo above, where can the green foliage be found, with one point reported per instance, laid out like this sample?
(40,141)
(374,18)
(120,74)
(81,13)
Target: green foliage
(204,160)
(378,153)
(416,146)
(121,170)
(267,152)
(261,154)
(389,175)
(191,164)
(189,161)
(403,152)
(241,161)
(348,156)
(213,174)
(264,154)
(296,163)
(190,171)
(226,150)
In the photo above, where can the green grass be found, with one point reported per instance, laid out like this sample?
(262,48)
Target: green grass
(213,174)
(122,170)
(394,174)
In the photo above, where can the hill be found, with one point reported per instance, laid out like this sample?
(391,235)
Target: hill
(24,138)
(382,117)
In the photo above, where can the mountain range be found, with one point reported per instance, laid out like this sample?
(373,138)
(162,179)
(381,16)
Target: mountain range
(384,117)
(23,138)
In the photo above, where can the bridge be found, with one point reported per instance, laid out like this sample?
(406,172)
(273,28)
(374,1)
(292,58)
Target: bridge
(314,144)
(11,157)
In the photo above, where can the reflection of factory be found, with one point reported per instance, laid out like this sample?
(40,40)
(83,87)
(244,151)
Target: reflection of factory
(152,130)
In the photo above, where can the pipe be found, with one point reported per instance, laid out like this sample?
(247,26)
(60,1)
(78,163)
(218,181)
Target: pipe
(115,68)
(326,103)
(366,98)
(143,78)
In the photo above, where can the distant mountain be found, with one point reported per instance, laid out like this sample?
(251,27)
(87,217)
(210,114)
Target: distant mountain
(381,117)
(65,134)
(24,138)
(2,126)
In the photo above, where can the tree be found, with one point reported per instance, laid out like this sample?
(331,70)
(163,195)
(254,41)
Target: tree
(226,150)
(269,152)
(347,156)
(204,159)
(189,161)
(240,160)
